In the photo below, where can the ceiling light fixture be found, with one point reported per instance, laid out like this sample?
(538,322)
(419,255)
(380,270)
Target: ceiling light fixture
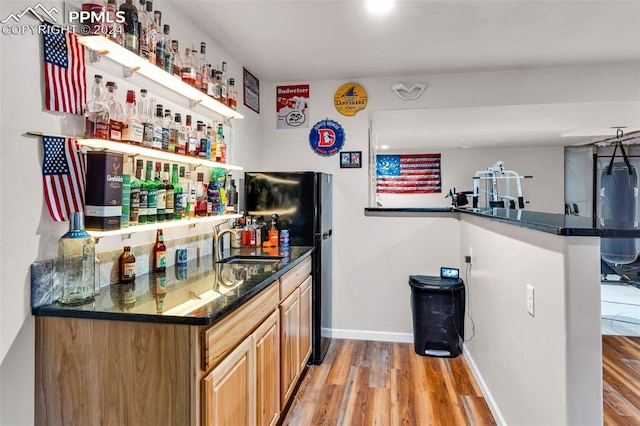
(379,7)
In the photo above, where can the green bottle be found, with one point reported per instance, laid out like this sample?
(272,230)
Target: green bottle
(144,194)
(152,194)
(161,204)
(177,193)
(134,198)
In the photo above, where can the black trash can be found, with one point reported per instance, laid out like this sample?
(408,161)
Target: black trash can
(438,315)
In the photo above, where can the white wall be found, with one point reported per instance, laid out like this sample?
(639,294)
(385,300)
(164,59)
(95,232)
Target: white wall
(544,369)
(27,234)
(363,245)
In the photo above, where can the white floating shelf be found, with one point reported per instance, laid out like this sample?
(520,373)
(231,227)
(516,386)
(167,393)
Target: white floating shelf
(130,60)
(163,225)
(126,148)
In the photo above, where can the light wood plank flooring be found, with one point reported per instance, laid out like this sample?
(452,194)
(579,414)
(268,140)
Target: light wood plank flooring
(621,379)
(381,383)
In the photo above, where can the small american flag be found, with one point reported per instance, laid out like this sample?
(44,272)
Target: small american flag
(64,70)
(63,177)
(408,173)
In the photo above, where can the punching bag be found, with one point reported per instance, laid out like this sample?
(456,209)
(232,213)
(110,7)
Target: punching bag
(618,209)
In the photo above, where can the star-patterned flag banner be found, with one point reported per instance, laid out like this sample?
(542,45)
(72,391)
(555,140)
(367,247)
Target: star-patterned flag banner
(65,73)
(408,174)
(63,177)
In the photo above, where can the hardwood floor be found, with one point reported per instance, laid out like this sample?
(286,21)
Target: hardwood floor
(621,380)
(381,383)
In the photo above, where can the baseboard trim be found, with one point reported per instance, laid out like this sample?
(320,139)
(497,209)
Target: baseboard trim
(488,397)
(379,336)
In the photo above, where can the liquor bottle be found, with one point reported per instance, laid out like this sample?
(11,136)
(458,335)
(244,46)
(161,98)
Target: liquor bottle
(224,90)
(232,197)
(181,135)
(144,23)
(193,144)
(159,253)
(204,143)
(169,188)
(96,112)
(168,52)
(91,25)
(157,128)
(152,194)
(274,233)
(177,59)
(201,199)
(132,129)
(157,15)
(232,94)
(131,29)
(188,69)
(126,200)
(134,197)
(201,76)
(144,109)
(162,194)
(177,193)
(167,127)
(193,196)
(184,198)
(217,86)
(114,29)
(212,83)
(116,113)
(144,194)
(221,147)
(76,260)
(127,266)
(211,137)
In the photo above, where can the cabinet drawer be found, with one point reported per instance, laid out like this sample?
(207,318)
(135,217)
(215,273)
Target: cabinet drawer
(292,279)
(220,339)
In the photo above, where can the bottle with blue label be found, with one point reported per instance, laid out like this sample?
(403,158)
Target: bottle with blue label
(77,263)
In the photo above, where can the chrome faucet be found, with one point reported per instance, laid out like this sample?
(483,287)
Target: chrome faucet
(217,241)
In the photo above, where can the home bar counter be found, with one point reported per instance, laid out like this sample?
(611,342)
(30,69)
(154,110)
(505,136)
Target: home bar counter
(544,368)
(210,343)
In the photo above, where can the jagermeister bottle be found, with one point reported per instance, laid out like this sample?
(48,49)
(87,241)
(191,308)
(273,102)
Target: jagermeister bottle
(77,263)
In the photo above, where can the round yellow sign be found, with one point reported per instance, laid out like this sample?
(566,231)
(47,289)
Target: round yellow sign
(350,98)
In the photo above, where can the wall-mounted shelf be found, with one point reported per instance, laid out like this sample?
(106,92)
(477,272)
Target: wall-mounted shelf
(126,232)
(125,148)
(133,62)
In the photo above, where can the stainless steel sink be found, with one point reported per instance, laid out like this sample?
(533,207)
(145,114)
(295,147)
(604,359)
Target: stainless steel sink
(247,260)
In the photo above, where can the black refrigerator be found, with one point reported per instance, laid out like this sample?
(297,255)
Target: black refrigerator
(302,201)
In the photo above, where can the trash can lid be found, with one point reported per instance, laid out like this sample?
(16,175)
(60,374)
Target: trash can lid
(427,282)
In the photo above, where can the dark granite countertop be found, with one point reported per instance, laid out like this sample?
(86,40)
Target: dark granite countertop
(558,224)
(199,294)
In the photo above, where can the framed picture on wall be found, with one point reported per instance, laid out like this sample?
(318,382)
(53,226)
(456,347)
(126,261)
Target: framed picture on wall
(350,159)
(251,92)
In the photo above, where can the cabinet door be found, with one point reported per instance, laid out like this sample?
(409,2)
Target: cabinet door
(267,347)
(228,392)
(289,344)
(305,322)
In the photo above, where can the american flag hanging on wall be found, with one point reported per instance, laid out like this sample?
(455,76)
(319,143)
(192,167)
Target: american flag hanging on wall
(63,177)
(64,70)
(408,173)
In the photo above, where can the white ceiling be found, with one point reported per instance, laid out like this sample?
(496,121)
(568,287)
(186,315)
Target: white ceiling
(302,40)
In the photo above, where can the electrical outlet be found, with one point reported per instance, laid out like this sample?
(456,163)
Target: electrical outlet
(470,256)
(531,300)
